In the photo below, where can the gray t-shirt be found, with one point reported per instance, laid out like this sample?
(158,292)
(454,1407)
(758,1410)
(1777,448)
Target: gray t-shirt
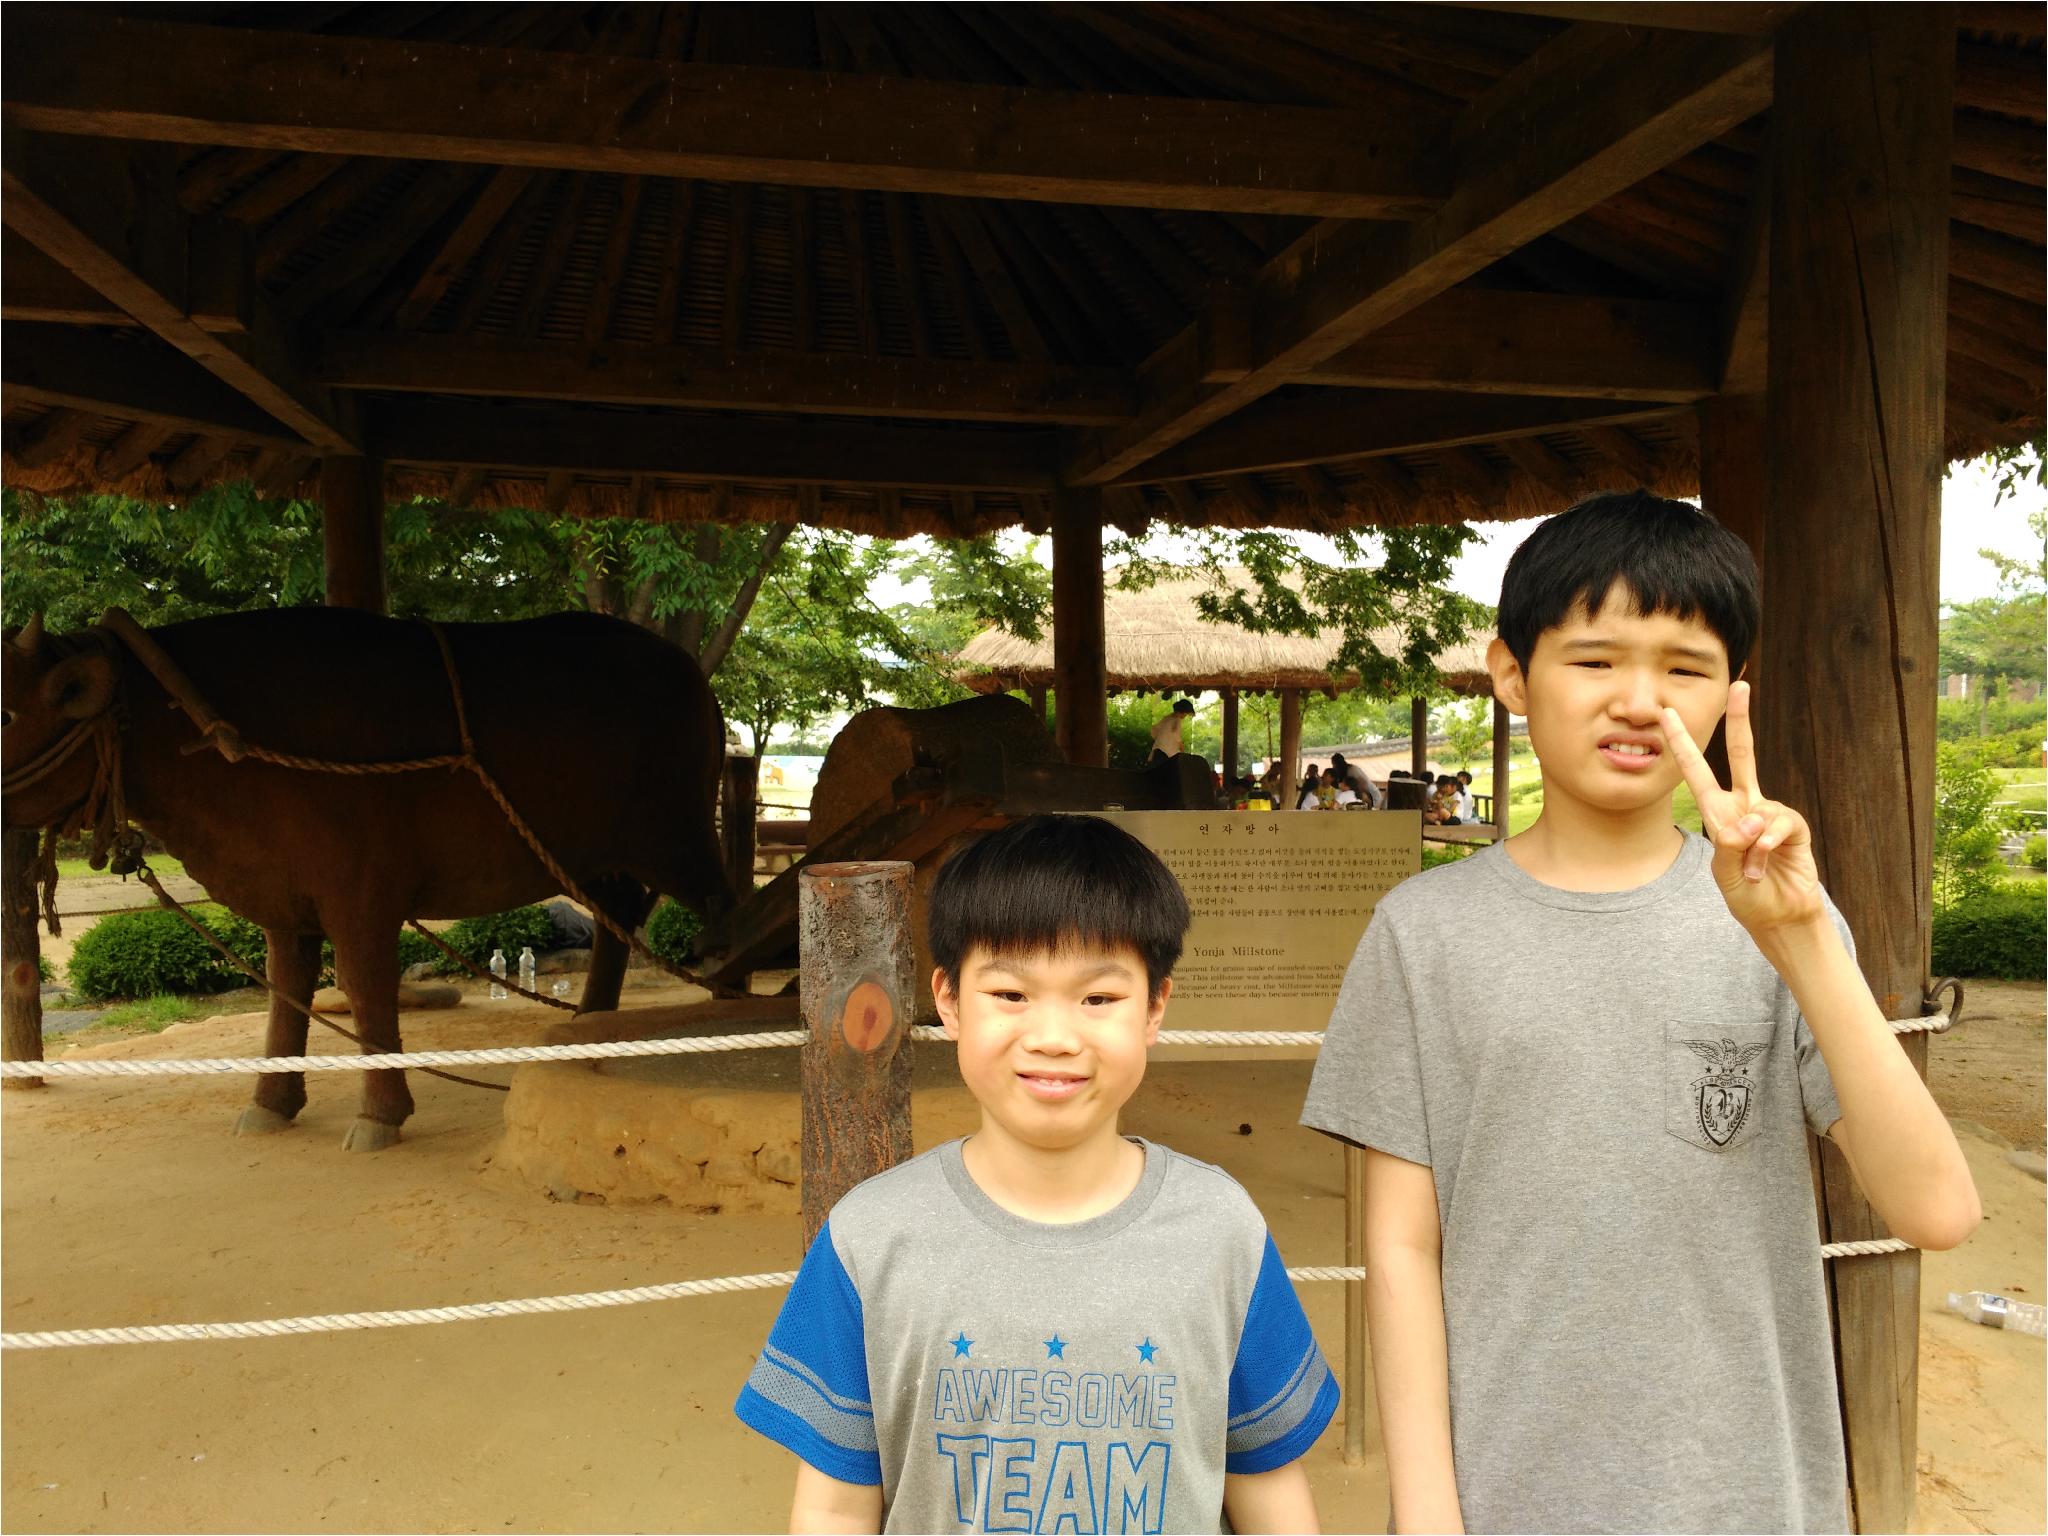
(1613,1091)
(998,1374)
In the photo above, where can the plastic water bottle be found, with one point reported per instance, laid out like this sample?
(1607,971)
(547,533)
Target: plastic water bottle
(561,987)
(498,992)
(1995,1311)
(529,976)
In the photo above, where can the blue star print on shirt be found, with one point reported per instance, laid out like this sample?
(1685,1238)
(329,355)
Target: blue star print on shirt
(1055,1348)
(1146,1350)
(961,1344)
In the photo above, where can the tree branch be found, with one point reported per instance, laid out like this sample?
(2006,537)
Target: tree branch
(743,601)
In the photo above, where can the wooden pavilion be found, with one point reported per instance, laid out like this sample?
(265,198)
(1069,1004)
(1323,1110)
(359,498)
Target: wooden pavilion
(1156,639)
(946,268)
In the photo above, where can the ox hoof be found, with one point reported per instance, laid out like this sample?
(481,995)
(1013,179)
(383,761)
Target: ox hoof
(369,1136)
(255,1120)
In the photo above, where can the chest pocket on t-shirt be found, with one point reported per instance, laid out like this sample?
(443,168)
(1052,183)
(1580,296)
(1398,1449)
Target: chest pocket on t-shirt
(1714,1081)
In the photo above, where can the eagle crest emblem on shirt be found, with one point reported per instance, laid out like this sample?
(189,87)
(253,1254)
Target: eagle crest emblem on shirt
(1722,1099)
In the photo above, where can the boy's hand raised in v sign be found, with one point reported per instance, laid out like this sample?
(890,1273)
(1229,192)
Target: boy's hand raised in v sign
(1763,851)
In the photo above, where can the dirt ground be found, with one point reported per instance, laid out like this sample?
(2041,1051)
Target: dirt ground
(127,1202)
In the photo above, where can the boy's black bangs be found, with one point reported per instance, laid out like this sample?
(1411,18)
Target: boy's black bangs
(1670,557)
(1050,883)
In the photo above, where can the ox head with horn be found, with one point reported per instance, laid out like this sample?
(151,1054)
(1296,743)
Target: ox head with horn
(48,690)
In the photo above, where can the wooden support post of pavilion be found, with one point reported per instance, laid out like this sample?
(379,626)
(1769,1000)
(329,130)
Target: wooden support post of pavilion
(21,990)
(1290,745)
(1229,763)
(1080,662)
(352,525)
(1418,735)
(1859,268)
(1036,694)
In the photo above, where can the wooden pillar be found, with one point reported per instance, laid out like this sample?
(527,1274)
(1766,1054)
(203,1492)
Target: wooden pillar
(1036,693)
(1229,736)
(1079,664)
(1290,744)
(352,527)
(854,942)
(1731,429)
(737,812)
(1845,693)
(1502,721)
(1418,735)
(21,989)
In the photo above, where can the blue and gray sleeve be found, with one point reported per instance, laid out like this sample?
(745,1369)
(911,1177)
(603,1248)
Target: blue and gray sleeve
(809,1389)
(1281,1391)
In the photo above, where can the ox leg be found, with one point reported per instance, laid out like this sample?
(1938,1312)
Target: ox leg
(294,970)
(627,903)
(366,964)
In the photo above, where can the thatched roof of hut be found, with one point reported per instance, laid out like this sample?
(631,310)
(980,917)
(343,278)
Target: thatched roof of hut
(1158,639)
(908,269)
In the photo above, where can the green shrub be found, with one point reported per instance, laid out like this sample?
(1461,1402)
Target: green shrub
(2035,852)
(44,970)
(140,954)
(415,950)
(1434,854)
(1958,720)
(671,931)
(2001,933)
(521,928)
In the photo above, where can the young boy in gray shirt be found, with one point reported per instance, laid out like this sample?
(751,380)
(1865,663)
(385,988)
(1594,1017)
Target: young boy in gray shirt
(1594,1283)
(1047,1326)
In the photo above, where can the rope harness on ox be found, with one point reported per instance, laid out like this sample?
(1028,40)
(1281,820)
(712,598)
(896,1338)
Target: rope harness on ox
(114,844)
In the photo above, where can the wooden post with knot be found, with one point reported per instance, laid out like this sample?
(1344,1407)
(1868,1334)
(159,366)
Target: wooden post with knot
(855,942)
(21,992)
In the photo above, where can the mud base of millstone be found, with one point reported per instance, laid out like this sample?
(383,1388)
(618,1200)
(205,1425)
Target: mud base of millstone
(705,1133)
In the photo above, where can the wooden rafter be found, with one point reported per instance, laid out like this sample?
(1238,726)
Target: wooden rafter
(1331,426)
(617,443)
(126,377)
(131,450)
(632,373)
(121,78)
(108,214)
(1486,341)
(1641,100)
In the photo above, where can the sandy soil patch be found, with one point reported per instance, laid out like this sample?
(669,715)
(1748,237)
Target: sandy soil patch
(130,1203)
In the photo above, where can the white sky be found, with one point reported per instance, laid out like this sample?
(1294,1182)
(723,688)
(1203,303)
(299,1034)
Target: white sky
(1969,522)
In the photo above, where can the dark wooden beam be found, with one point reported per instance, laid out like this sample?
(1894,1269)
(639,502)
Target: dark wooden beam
(127,377)
(33,287)
(108,214)
(1860,239)
(352,531)
(1735,17)
(1329,427)
(799,451)
(1583,118)
(140,79)
(632,373)
(1080,660)
(1484,341)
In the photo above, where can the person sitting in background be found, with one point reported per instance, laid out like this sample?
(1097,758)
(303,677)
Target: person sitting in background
(1442,809)
(1468,807)
(1341,792)
(1309,797)
(1360,781)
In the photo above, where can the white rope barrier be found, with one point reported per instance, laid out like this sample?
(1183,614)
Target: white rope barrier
(339,1322)
(606,1050)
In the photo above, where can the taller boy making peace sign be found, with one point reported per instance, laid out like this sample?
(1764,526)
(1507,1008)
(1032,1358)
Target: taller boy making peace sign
(1594,1281)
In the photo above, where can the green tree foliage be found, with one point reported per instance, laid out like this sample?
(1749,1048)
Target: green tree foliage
(1966,827)
(1469,729)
